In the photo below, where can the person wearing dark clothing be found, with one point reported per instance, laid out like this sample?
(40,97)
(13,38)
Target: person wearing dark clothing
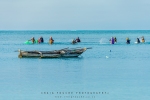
(78,40)
(138,40)
(115,39)
(127,40)
(42,40)
(112,40)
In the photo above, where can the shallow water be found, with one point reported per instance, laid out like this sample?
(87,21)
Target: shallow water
(122,73)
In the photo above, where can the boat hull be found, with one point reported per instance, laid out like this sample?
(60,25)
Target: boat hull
(38,54)
(73,52)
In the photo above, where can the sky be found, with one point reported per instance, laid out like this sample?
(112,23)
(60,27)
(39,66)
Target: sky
(74,14)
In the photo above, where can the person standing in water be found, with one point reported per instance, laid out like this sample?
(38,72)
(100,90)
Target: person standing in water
(138,40)
(74,41)
(142,39)
(115,39)
(78,40)
(40,40)
(33,40)
(127,40)
(112,40)
(51,41)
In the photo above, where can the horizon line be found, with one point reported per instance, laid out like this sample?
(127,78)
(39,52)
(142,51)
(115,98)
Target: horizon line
(81,30)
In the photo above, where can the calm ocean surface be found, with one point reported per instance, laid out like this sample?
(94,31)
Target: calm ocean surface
(122,74)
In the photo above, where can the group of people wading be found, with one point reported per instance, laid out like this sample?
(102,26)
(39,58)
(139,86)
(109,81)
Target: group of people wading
(51,40)
(40,40)
(113,40)
(76,40)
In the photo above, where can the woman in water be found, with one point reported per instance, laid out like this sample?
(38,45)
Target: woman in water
(138,40)
(112,40)
(115,39)
(127,40)
(77,39)
(40,40)
(51,41)
(74,41)
(33,40)
(142,39)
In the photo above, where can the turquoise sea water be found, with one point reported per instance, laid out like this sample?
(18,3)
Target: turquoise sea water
(122,74)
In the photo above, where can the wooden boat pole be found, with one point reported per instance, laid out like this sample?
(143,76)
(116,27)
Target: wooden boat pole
(20,54)
(89,48)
